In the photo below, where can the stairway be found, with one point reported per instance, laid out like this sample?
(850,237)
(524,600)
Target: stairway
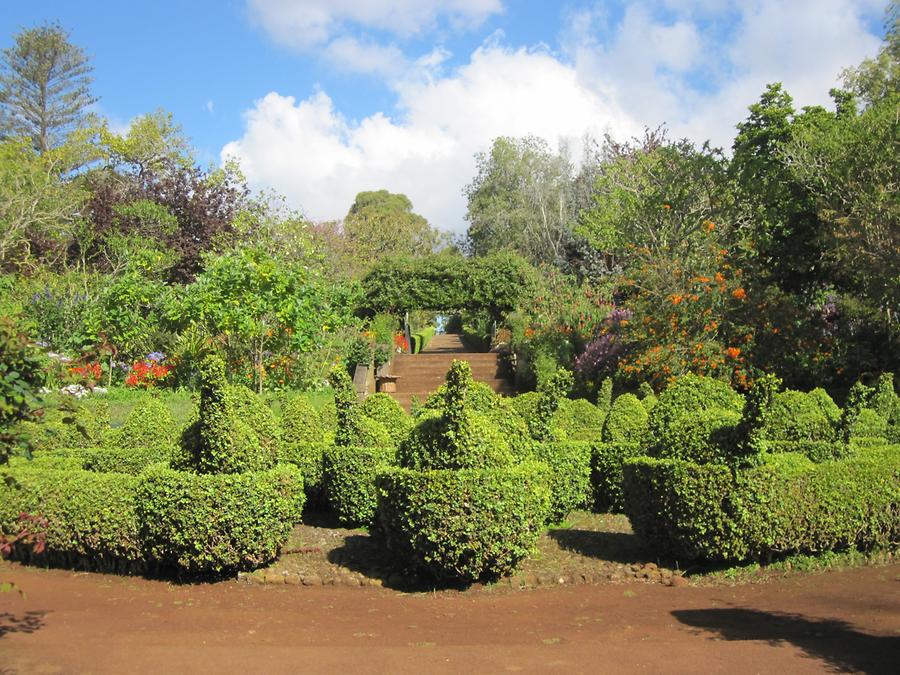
(421,374)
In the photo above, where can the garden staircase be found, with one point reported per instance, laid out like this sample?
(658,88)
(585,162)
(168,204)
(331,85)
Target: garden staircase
(418,375)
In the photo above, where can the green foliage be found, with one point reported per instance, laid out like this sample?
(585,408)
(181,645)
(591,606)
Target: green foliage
(627,420)
(20,378)
(385,410)
(150,424)
(346,404)
(421,339)
(309,458)
(607,460)
(130,460)
(578,420)
(869,424)
(798,416)
(551,393)
(236,431)
(463,525)
(214,524)
(605,397)
(91,518)
(884,399)
(349,479)
(301,423)
(696,418)
(816,451)
(569,465)
(784,505)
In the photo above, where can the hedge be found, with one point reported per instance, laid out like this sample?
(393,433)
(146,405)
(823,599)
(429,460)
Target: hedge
(301,423)
(349,480)
(148,424)
(421,339)
(815,451)
(92,520)
(799,416)
(126,460)
(785,505)
(626,421)
(384,409)
(607,460)
(463,525)
(213,524)
(308,457)
(569,464)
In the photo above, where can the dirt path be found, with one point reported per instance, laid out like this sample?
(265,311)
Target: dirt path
(76,622)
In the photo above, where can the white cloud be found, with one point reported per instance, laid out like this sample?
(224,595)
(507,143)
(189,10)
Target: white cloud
(306,23)
(308,151)
(680,67)
(210,106)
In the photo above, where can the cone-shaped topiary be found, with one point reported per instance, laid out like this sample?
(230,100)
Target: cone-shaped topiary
(627,420)
(149,424)
(385,410)
(301,423)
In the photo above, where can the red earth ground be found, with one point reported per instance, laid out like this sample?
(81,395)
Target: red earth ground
(79,622)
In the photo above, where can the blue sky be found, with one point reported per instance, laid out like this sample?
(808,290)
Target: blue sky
(319,99)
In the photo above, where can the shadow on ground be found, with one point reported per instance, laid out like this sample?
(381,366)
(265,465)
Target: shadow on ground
(835,642)
(618,547)
(29,622)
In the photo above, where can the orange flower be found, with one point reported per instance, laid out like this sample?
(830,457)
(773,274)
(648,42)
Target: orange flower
(739,293)
(732,352)
(667,206)
(719,278)
(676,299)
(710,226)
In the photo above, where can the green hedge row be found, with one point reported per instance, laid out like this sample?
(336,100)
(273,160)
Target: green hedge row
(349,479)
(463,525)
(308,457)
(192,523)
(126,460)
(207,524)
(569,467)
(420,340)
(787,504)
(607,460)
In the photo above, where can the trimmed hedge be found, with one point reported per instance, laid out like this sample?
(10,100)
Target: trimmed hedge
(213,524)
(477,442)
(301,423)
(607,460)
(786,504)
(463,525)
(126,460)
(349,480)
(421,339)
(815,451)
(569,464)
(869,424)
(92,520)
(805,417)
(148,424)
(626,421)
(308,457)
(384,409)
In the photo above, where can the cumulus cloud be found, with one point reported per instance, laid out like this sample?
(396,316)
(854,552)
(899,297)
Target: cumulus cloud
(310,152)
(693,64)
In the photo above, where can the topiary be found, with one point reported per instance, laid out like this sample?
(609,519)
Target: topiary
(579,420)
(372,434)
(869,424)
(149,424)
(346,404)
(605,396)
(797,416)
(235,431)
(883,398)
(695,418)
(626,422)
(556,388)
(385,410)
(569,464)
(525,404)
(300,423)
(349,481)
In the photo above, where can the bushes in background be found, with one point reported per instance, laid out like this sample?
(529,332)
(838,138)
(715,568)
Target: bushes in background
(149,424)
(126,460)
(349,481)
(579,420)
(799,416)
(626,421)
(301,423)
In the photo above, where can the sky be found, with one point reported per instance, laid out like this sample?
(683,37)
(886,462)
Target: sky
(322,99)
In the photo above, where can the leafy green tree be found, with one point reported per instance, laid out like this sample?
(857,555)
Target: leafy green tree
(44,87)
(383,224)
(523,198)
(153,143)
(21,374)
(878,77)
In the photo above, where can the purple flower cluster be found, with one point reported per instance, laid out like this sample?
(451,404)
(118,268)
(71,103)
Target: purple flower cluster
(601,355)
(156,357)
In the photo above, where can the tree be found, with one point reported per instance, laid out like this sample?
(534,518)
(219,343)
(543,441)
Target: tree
(522,199)
(876,78)
(44,87)
(153,143)
(383,224)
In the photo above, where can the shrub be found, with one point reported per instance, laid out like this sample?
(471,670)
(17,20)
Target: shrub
(626,422)
(308,457)
(815,451)
(235,431)
(300,422)
(884,399)
(349,479)
(569,465)
(525,404)
(796,416)
(784,505)
(91,518)
(868,424)
(551,393)
(382,408)
(149,424)
(50,460)
(579,420)
(463,525)
(126,460)
(696,418)
(475,441)
(212,524)
(346,405)
(607,460)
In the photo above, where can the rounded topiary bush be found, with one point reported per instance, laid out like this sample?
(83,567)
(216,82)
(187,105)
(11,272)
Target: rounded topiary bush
(459,507)
(798,416)
(525,404)
(214,524)
(869,424)
(300,422)
(385,410)
(626,421)
(695,418)
(349,480)
(579,420)
(149,424)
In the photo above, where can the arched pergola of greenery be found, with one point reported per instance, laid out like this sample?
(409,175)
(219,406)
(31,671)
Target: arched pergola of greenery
(494,284)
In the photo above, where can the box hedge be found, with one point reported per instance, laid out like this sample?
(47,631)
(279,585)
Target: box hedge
(626,421)
(214,524)
(308,457)
(607,460)
(786,504)
(301,422)
(800,416)
(463,525)
(91,518)
(126,460)
(149,424)
(569,465)
(384,409)
(349,480)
